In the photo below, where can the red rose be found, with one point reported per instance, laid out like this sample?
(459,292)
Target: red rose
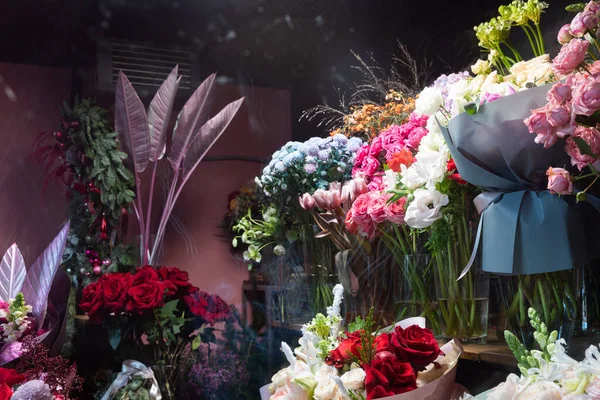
(92,300)
(389,376)
(347,347)
(179,278)
(146,296)
(382,342)
(212,309)
(144,274)
(5,392)
(114,289)
(453,173)
(11,377)
(415,345)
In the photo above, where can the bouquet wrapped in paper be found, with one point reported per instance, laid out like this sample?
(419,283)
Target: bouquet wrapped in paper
(399,362)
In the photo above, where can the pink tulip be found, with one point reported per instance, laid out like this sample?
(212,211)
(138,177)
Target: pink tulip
(320,198)
(306,201)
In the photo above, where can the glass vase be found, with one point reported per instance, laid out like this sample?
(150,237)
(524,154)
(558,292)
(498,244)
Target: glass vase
(554,295)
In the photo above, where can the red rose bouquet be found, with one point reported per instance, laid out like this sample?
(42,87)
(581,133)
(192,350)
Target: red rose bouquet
(158,308)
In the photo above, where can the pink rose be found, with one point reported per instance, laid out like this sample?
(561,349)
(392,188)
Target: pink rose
(367,229)
(592,138)
(559,181)
(538,123)
(586,96)
(559,93)
(361,154)
(377,206)
(360,208)
(570,56)
(395,212)
(306,201)
(559,117)
(376,147)
(370,165)
(376,183)
(583,22)
(564,35)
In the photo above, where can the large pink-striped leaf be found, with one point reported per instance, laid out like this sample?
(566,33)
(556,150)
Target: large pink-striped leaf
(208,135)
(132,124)
(192,117)
(40,275)
(12,273)
(159,114)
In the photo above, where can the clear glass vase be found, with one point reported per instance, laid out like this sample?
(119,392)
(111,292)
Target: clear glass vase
(554,295)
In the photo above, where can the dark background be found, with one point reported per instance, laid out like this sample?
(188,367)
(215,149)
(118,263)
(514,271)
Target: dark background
(301,45)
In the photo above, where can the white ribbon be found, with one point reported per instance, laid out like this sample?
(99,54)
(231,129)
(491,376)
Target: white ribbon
(133,369)
(481,202)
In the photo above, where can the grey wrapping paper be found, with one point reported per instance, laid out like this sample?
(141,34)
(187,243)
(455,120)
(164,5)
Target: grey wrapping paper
(525,229)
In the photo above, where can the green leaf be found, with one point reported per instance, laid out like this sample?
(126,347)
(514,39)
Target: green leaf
(577,7)
(584,148)
(168,309)
(114,336)
(196,342)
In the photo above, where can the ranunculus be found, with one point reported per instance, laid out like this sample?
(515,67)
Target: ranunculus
(146,296)
(144,274)
(559,181)
(559,93)
(377,207)
(586,96)
(583,22)
(354,379)
(347,347)
(387,377)
(360,208)
(306,201)
(425,208)
(114,290)
(429,101)
(179,278)
(370,165)
(570,56)
(11,377)
(592,138)
(402,157)
(92,300)
(564,34)
(396,211)
(416,345)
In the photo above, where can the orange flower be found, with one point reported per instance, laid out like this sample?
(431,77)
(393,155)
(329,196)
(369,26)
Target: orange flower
(404,156)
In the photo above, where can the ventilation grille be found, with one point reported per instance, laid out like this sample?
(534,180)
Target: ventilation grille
(149,66)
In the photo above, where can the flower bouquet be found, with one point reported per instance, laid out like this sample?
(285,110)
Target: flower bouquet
(548,373)
(364,362)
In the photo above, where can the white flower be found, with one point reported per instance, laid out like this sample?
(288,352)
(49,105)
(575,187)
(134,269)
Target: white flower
(481,67)
(428,170)
(327,390)
(506,390)
(306,380)
(278,380)
(429,101)
(433,142)
(389,179)
(35,389)
(542,390)
(537,71)
(460,89)
(325,372)
(338,296)
(354,379)
(425,208)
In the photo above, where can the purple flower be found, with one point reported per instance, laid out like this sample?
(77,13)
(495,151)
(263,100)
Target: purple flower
(310,168)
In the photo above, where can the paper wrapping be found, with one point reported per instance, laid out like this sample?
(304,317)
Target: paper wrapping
(524,228)
(440,389)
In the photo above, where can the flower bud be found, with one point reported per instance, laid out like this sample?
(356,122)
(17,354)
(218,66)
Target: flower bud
(564,35)
(306,201)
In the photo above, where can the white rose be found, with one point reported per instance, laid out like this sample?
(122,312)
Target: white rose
(505,390)
(428,170)
(541,390)
(325,372)
(537,71)
(460,89)
(425,208)
(354,379)
(481,67)
(429,101)
(290,392)
(491,79)
(327,390)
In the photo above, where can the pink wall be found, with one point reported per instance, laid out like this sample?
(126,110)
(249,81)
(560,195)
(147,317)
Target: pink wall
(30,98)
(261,127)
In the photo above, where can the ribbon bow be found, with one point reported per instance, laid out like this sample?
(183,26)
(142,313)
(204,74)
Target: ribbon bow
(133,369)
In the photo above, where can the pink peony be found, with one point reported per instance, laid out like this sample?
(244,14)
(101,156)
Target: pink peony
(376,183)
(395,211)
(559,93)
(360,208)
(592,138)
(370,165)
(377,207)
(570,56)
(586,96)
(361,154)
(306,201)
(559,181)
(376,147)
(583,22)
(564,35)
(415,136)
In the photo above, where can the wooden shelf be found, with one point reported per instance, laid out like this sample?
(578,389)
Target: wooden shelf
(495,351)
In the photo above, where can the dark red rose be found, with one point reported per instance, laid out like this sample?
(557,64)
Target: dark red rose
(212,309)
(146,296)
(415,345)
(347,347)
(5,392)
(180,279)
(389,376)
(11,377)
(144,274)
(114,289)
(453,173)
(92,300)
(382,342)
